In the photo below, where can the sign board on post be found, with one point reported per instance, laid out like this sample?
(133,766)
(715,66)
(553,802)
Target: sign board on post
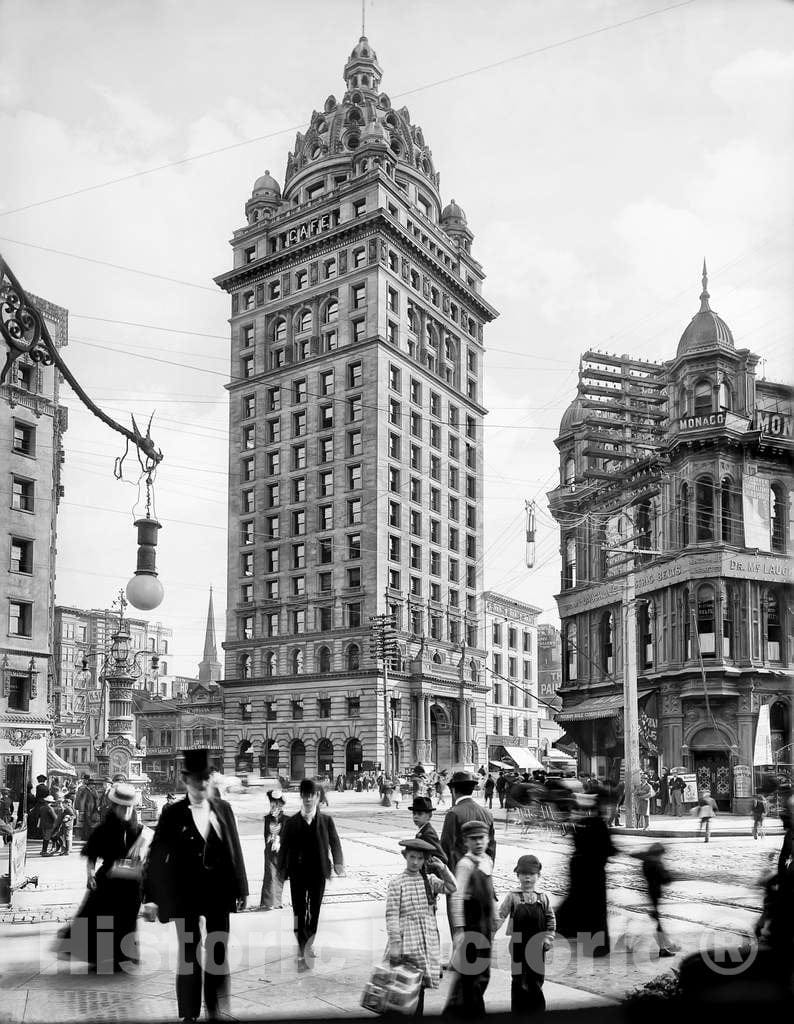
(17,856)
(742,781)
(691,788)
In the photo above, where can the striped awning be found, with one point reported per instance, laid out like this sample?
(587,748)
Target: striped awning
(56,764)
(593,707)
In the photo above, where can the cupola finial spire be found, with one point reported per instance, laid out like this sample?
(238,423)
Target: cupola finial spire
(704,295)
(363,18)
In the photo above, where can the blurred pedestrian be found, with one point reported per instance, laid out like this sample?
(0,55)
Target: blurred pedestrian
(617,799)
(113,898)
(664,790)
(411,924)
(272,886)
(473,920)
(501,786)
(6,806)
(529,915)
(63,832)
(196,870)
(309,844)
(705,810)
(490,785)
(656,876)
(47,818)
(583,913)
(758,811)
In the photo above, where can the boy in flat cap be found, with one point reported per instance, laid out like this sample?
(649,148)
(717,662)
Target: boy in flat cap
(531,926)
(473,910)
(410,912)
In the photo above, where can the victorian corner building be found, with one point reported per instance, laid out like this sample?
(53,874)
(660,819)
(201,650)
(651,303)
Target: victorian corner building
(676,482)
(355,453)
(32,425)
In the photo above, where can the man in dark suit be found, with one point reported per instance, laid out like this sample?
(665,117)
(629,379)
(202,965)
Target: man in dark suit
(463,809)
(309,844)
(195,869)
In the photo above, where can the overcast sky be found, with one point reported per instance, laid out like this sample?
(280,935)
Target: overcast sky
(596,173)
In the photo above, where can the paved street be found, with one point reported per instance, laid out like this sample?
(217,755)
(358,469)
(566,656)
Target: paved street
(714,892)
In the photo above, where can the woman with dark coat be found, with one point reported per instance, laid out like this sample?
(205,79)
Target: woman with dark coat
(114,889)
(584,910)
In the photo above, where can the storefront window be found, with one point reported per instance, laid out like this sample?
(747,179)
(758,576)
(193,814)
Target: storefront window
(772,627)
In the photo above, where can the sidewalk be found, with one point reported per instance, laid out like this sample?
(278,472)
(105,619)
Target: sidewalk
(665,826)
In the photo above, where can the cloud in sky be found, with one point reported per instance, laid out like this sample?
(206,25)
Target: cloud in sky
(595,177)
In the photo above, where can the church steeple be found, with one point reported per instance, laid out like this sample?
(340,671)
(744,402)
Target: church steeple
(209,667)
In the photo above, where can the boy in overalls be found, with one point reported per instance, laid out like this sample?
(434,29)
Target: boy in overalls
(529,916)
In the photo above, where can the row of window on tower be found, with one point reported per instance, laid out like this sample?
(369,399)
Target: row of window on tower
(712,625)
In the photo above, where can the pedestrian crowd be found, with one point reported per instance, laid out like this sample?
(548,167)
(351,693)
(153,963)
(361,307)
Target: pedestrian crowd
(190,870)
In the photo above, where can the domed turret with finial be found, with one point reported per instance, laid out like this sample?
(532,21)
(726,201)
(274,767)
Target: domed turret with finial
(706,329)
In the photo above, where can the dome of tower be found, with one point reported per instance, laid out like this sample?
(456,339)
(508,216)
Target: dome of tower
(572,416)
(266,185)
(706,329)
(363,115)
(453,212)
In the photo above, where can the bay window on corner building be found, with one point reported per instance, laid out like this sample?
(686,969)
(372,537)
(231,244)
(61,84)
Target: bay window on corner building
(387,331)
(710,523)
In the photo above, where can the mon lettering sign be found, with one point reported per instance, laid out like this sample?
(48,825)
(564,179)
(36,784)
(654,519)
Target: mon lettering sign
(776,424)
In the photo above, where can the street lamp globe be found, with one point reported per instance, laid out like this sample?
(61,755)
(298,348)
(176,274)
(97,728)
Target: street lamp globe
(145,592)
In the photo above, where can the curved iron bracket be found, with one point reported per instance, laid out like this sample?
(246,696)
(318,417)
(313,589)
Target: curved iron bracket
(25,332)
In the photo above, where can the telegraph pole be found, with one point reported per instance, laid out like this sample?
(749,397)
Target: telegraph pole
(382,643)
(631,725)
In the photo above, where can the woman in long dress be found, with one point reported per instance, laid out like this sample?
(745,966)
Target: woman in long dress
(411,912)
(113,889)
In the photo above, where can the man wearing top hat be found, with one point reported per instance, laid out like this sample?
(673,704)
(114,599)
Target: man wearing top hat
(196,869)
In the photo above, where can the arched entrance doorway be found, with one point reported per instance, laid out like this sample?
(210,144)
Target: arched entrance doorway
(442,753)
(325,758)
(711,761)
(354,755)
(297,760)
(397,754)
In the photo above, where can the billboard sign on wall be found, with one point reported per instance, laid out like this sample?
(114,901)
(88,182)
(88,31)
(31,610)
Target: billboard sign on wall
(756,509)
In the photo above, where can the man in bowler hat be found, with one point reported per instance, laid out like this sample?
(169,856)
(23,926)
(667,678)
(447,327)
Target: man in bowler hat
(195,869)
(421,810)
(309,844)
(464,808)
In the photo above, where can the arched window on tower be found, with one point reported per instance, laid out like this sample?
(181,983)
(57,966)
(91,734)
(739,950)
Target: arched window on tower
(607,643)
(725,396)
(569,566)
(727,512)
(773,631)
(777,517)
(706,621)
(704,508)
(569,652)
(645,619)
(569,471)
(684,514)
(703,398)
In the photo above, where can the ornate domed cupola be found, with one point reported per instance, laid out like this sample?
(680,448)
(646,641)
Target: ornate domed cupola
(453,222)
(265,199)
(706,330)
(373,149)
(362,72)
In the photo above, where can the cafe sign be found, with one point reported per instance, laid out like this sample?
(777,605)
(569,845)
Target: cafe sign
(309,229)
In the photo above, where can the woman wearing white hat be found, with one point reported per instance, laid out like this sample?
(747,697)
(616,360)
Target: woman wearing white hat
(119,843)
(272,885)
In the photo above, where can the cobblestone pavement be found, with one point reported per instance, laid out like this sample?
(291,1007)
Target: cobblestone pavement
(714,894)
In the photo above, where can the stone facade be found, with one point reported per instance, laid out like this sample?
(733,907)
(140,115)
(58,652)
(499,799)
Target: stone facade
(355,452)
(677,477)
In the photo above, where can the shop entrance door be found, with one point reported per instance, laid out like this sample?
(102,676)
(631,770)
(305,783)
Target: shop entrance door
(712,772)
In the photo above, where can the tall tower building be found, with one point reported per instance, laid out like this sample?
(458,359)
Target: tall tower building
(355,451)
(210,670)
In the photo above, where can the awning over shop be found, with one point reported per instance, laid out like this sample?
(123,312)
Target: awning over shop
(502,764)
(558,755)
(593,707)
(524,758)
(58,765)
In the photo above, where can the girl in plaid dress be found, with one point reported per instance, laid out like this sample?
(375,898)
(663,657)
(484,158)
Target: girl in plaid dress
(411,912)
